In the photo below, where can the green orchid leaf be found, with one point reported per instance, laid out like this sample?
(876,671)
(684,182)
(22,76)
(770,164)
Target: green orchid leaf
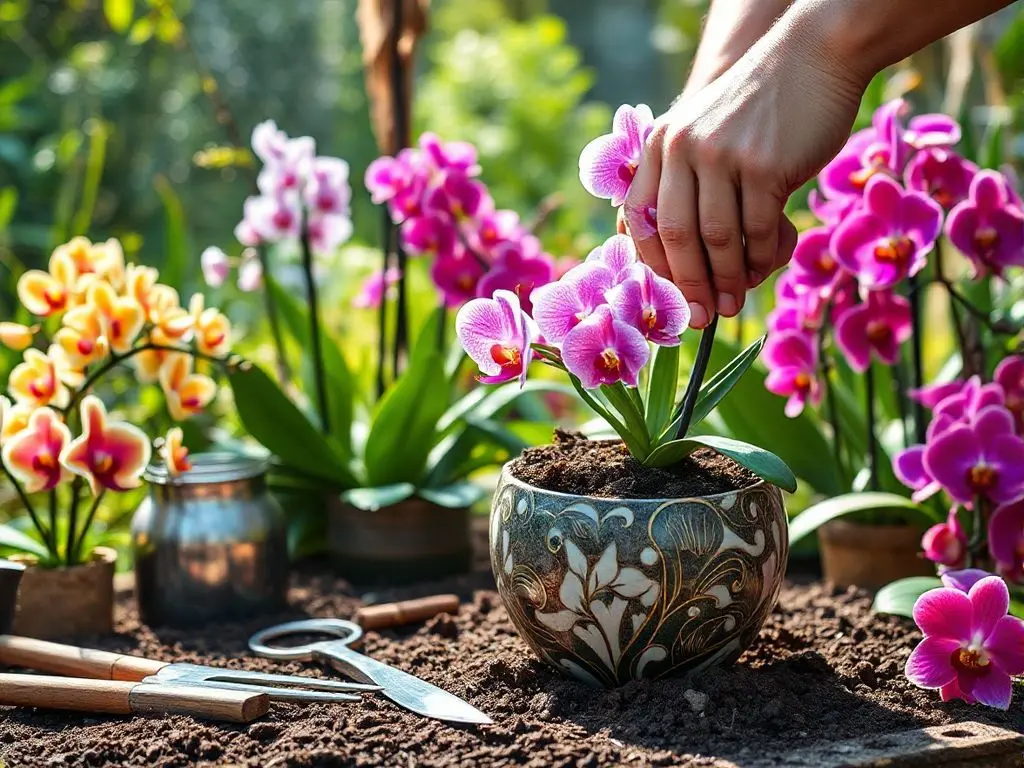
(479,443)
(672,452)
(898,598)
(623,402)
(11,538)
(661,388)
(372,499)
(815,516)
(454,496)
(722,383)
(277,423)
(486,402)
(762,463)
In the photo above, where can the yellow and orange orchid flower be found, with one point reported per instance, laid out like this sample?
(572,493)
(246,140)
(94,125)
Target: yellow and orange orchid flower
(82,337)
(36,382)
(187,393)
(108,454)
(17,336)
(122,317)
(49,293)
(33,454)
(149,362)
(15,419)
(108,262)
(213,329)
(174,453)
(68,372)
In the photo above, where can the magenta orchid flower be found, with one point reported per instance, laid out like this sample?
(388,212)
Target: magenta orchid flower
(792,361)
(108,454)
(497,334)
(327,231)
(604,350)
(1009,375)
(274,218)
(932,130)
(868,153)
(459,156)
(497,228)
(946,543)
(982,459)
(986,228)
(559,307)
(972,397)
(651,304)
(942,175)
(878,326)
(971,647)
(1006,540)
(457,276)
(609,162)
(327,190)
(33,454)
(513,271)
(908,466)
(374,288)
(930,395)
(617,254)
(430,234)
(962,580)
(890,237)
(814,266)
(459,198)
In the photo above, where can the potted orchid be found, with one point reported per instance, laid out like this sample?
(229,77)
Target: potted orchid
(897,205)
(658,552)
(62,451)
(394,468)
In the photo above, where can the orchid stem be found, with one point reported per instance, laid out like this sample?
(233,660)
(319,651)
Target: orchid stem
(88,522)
(958,326)
(916,357)
(825,366)
(320,379)
(400,141)
(284,373)
(700,368)
(49,537)
(869,405)
(382,310)
(69,548)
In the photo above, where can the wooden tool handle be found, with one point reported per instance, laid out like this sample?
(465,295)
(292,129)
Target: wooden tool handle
(110,696)
(405,612)
(68,660)
(122,697)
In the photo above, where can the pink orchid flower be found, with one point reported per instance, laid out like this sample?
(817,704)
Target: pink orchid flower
(617,254)
(327,189)
(792,360)
(374,288)
(931,395)
(942,175)
(962,580)
(878,326)
(890,237)
(215,266)
(603,350)
(497,335)
(327,231)
(814,267)
(829,211)
(459,197)
(457,277)
(981,459)
(609,162)
(560,307)
(432,234)
(512,271)
(987,228)
(33,454)
(651,304)
(963,405)
(1006,540)
(932,130)
(946,543)
(108,454)
(1009,375)
(495,229)
(274,218)
(287,173)
(459,156)
(971,647)
(250,272)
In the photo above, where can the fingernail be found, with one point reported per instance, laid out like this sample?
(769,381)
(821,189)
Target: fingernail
(727,305)
(756,278)
(698,315)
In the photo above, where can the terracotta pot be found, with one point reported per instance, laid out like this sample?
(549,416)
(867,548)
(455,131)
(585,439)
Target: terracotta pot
(411,541)
(67,602)
(870,556)
(612,590)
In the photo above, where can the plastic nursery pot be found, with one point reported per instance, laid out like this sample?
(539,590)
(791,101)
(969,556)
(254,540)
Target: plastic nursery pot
(612,590)
(870,556)
(414,540)
(67,602)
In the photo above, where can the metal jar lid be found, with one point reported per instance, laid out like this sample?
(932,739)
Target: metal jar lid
(209,468)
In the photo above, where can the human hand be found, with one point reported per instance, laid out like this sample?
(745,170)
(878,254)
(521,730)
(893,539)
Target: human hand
(719,166)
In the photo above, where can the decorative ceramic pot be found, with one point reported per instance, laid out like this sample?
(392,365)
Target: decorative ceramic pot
(67,602)
(611,590)
(870,556)
(407,542)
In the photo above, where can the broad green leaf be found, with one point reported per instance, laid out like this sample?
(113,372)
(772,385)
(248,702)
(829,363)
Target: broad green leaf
(11,538)
(762,463)
(898,598)
(454,496)
(404,427)
(340,385)
(722,383)
(277,423)
(8,202)
(755,415)
(485,402)
(814,517)
(372,499)
(672,452)
(632,416)
(481,442)
(119,14)
(661,388)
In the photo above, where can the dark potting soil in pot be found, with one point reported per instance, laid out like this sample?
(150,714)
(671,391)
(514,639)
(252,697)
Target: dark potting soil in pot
(825,669)
(604,468)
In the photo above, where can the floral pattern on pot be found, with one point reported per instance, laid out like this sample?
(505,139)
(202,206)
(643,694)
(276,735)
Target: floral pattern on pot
(612,590)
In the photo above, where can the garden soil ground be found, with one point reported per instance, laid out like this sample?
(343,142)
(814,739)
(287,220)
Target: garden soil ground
(824,669)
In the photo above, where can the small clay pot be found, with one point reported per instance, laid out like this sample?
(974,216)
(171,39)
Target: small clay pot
(67,602)
(414,540)
(612,590)
(870,556)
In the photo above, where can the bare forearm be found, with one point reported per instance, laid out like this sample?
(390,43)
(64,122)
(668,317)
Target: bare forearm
(732,26)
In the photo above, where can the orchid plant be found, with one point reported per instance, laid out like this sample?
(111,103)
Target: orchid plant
(60,446)
(615,328)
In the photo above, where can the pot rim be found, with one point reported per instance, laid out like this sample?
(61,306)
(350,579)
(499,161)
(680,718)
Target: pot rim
(506,471)
(100,555)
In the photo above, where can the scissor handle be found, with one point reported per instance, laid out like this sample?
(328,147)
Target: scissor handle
(344,632)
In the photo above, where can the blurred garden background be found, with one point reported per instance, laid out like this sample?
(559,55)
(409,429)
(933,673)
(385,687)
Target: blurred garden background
(131,119)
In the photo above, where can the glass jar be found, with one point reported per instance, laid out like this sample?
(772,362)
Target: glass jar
(210,544)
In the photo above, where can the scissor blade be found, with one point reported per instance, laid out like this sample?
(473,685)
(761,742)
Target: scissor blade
(411,692)
(278,687)
(275,694)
